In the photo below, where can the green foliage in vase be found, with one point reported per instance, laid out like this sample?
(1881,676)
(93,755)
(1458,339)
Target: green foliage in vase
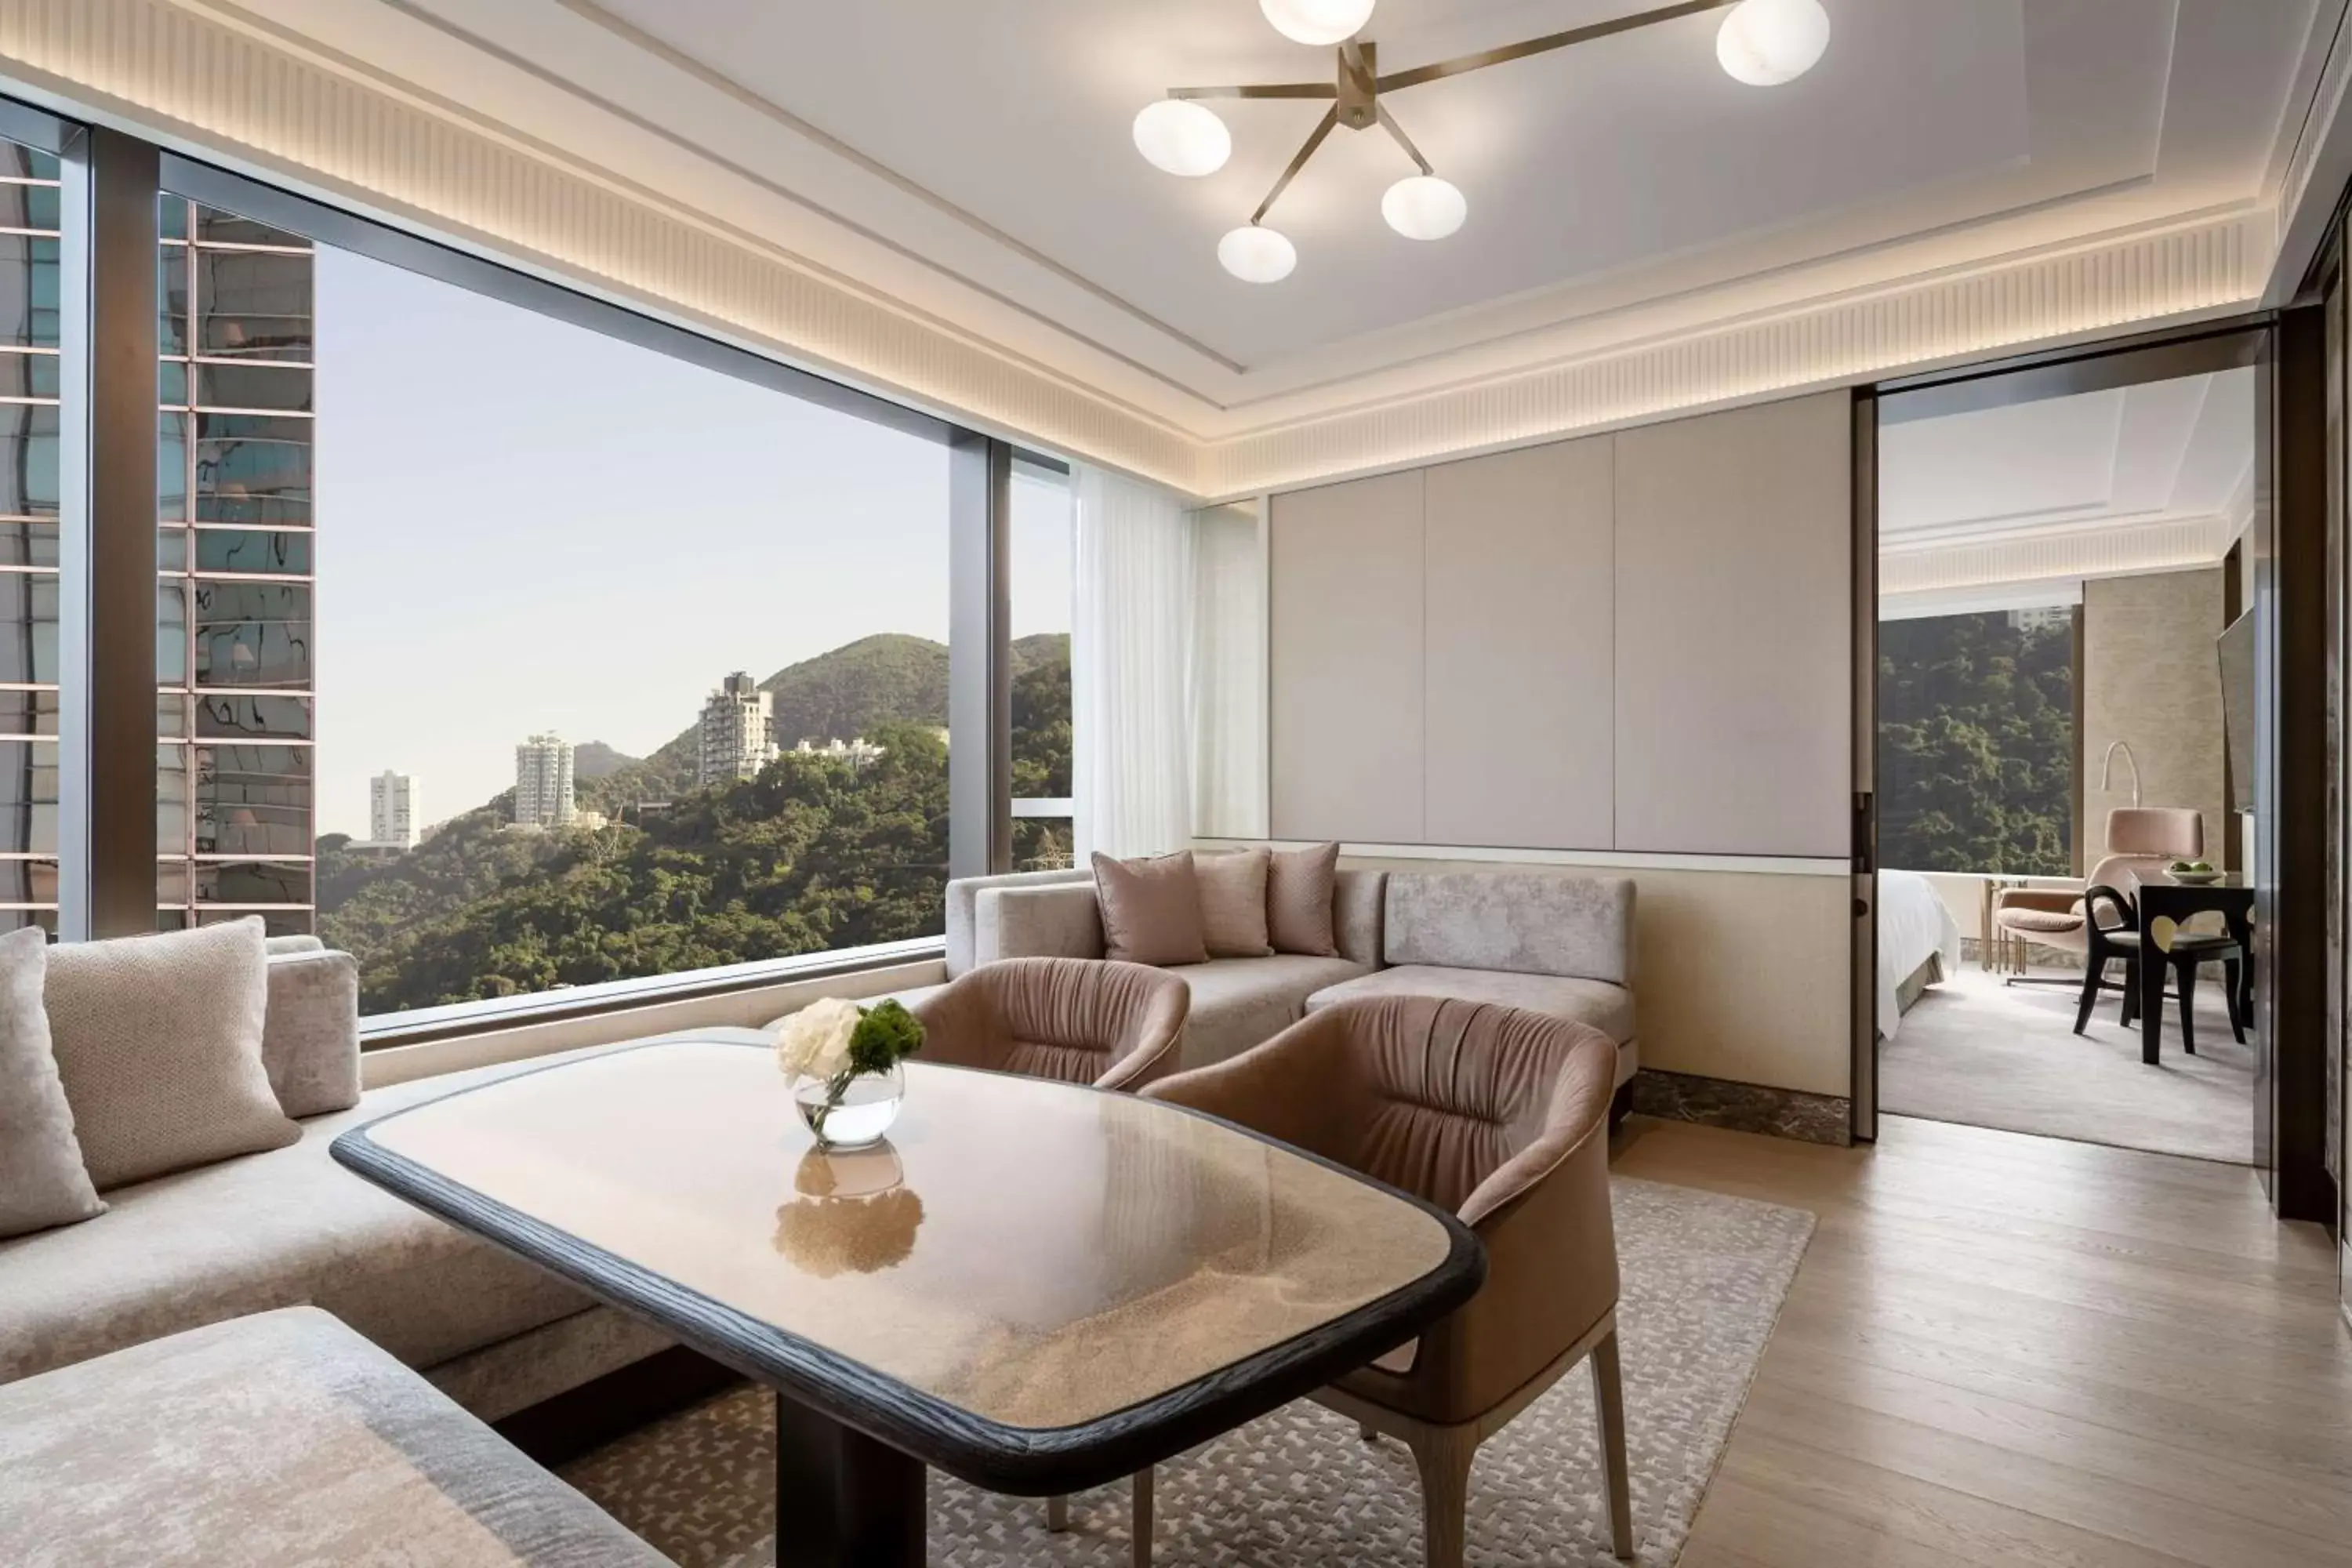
(886,1035)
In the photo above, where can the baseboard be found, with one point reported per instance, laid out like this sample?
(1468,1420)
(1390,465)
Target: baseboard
(558,1430)
(1744,1106)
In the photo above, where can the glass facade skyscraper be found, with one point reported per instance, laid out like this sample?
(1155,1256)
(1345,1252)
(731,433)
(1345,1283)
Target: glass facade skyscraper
(29,537)
(233,671)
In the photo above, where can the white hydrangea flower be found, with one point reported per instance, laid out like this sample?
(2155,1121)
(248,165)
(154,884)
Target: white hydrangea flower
(814,1041)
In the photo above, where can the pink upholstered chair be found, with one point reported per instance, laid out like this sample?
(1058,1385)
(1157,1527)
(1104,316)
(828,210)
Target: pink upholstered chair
(2139,838)
(1114,1025)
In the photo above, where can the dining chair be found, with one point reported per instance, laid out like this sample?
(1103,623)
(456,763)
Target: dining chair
(1500,1115)
(1080,1020)
(2186,953)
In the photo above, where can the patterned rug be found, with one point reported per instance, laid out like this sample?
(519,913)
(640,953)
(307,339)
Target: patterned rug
(1704,1280)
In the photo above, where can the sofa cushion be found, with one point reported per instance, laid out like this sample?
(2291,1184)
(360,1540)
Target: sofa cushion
(158,1040)
(1606,1007)
(278,1438)
(1233,902)
(42,1180)
(1530,923)
(310,1036)
(963,908)
(271,1230)
(1150,908)
(1238,1003)
(1298,900)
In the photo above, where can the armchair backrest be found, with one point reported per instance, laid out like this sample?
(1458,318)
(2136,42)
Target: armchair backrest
(2161,832)
(963,908)
(1115,1025)
(1526,922)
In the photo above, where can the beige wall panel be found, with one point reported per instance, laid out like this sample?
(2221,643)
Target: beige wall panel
(2151,679)
(1345,661)
(1738,975)
(1520,616)
(1734,683)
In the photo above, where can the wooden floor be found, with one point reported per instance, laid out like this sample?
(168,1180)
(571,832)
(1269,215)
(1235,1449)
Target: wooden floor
(2014,1350)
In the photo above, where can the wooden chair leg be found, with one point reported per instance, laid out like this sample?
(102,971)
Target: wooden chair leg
(2233,971)
(1057,1514)
(2131,991)
(1144,1519)
(2185,968)
(1609,1400)
(2090,972)
(1443,1455)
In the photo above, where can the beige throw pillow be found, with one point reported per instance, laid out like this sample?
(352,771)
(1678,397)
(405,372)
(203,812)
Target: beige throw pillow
(158,1040)
(1233,903)
(42,1181)
(1298,900)
(1150,908)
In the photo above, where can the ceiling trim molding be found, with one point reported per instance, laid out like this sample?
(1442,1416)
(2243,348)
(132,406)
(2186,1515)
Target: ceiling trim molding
(2206,266)
(193,75)
(2162,546)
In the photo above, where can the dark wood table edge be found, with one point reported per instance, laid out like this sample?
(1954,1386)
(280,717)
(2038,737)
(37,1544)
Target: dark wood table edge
(2150,1000)
(1017,1461)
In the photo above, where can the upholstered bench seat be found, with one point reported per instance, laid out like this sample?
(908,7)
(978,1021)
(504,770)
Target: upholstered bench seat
(281,1439)
(1606,1007)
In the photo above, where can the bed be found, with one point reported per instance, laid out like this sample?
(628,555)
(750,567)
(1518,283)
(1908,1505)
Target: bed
(1918,944)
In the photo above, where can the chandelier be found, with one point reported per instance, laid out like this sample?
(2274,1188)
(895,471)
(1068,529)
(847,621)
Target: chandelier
(1761,42)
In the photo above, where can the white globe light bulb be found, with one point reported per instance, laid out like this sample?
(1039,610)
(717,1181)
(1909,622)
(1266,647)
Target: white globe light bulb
(1423,207)
(1182,137)
(1256,254)
(1318,22)
(1766,42)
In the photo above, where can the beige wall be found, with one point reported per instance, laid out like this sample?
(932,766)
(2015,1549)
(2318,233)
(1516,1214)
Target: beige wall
(1739,974)
(2150,678)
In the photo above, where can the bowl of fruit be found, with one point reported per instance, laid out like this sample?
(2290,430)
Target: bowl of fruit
(2196,873)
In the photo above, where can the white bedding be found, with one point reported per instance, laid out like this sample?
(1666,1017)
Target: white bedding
(1912,923)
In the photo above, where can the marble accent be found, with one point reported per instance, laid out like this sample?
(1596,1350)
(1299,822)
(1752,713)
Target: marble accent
(1703,1279)
(1043,1255)
(1744,1106)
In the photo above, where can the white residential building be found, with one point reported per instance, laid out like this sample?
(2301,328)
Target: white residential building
(857,752)
(543,782)
(739,731)
(395,810)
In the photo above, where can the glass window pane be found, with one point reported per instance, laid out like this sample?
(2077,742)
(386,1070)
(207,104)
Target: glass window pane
(1043,543)
(29,797)
(269,386)
(273,922)
(172,285)
(171,383)
(253,470)
(269,717)
(171,633)
(28,290)
(30,882)
(252,634)
(255,304)
(29,206)
(172,885)
(249,882)
(28,627)
(171,804)
(172,717)
(28,459)
(171,217)
(28,712)
(27,373)
(18,920)
(278,555)
(253,800)
(217,228)
(29,544)
(171,550)
(171,467)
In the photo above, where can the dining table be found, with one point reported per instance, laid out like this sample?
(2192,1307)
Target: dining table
(2163,904)
(1036,1287)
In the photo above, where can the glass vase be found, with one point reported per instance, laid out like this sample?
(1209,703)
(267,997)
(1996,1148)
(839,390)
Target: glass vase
(853,1113)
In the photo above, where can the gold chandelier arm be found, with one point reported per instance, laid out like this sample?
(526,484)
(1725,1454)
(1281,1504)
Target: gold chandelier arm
(1389,124)
(1509,52)
(1274,90)
(1314,140)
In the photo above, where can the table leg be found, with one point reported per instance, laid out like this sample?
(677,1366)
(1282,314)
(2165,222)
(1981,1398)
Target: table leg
(2153,964)
(844,1500)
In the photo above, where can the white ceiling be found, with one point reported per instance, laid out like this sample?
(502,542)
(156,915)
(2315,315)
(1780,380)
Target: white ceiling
(971,159)
(2098,479)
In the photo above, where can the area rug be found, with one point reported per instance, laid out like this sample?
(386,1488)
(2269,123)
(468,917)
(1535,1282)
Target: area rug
(1974,1050)
(1703,1279)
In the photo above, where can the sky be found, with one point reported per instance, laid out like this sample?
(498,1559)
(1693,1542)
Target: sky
(525,526)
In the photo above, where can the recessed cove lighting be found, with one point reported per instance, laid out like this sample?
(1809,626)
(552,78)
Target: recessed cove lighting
(1256,254)
(1320,22)
(1182,137)
(1423,207)
(1766,42)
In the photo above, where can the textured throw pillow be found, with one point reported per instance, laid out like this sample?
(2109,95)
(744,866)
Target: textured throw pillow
(1233,903)
(158,1040)
(1298,900)
(42,1181)
(1150,908)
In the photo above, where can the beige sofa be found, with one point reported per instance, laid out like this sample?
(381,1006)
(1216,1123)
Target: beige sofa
(1549,943)
(289,1227)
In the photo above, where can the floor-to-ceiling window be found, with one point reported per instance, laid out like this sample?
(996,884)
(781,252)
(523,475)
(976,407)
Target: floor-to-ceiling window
(1043,546)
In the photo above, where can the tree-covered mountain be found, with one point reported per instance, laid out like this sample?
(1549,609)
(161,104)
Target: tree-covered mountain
(817,853)
(1976,746)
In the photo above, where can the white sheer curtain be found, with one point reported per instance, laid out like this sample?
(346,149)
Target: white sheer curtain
(1229,776)
(1131,668)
